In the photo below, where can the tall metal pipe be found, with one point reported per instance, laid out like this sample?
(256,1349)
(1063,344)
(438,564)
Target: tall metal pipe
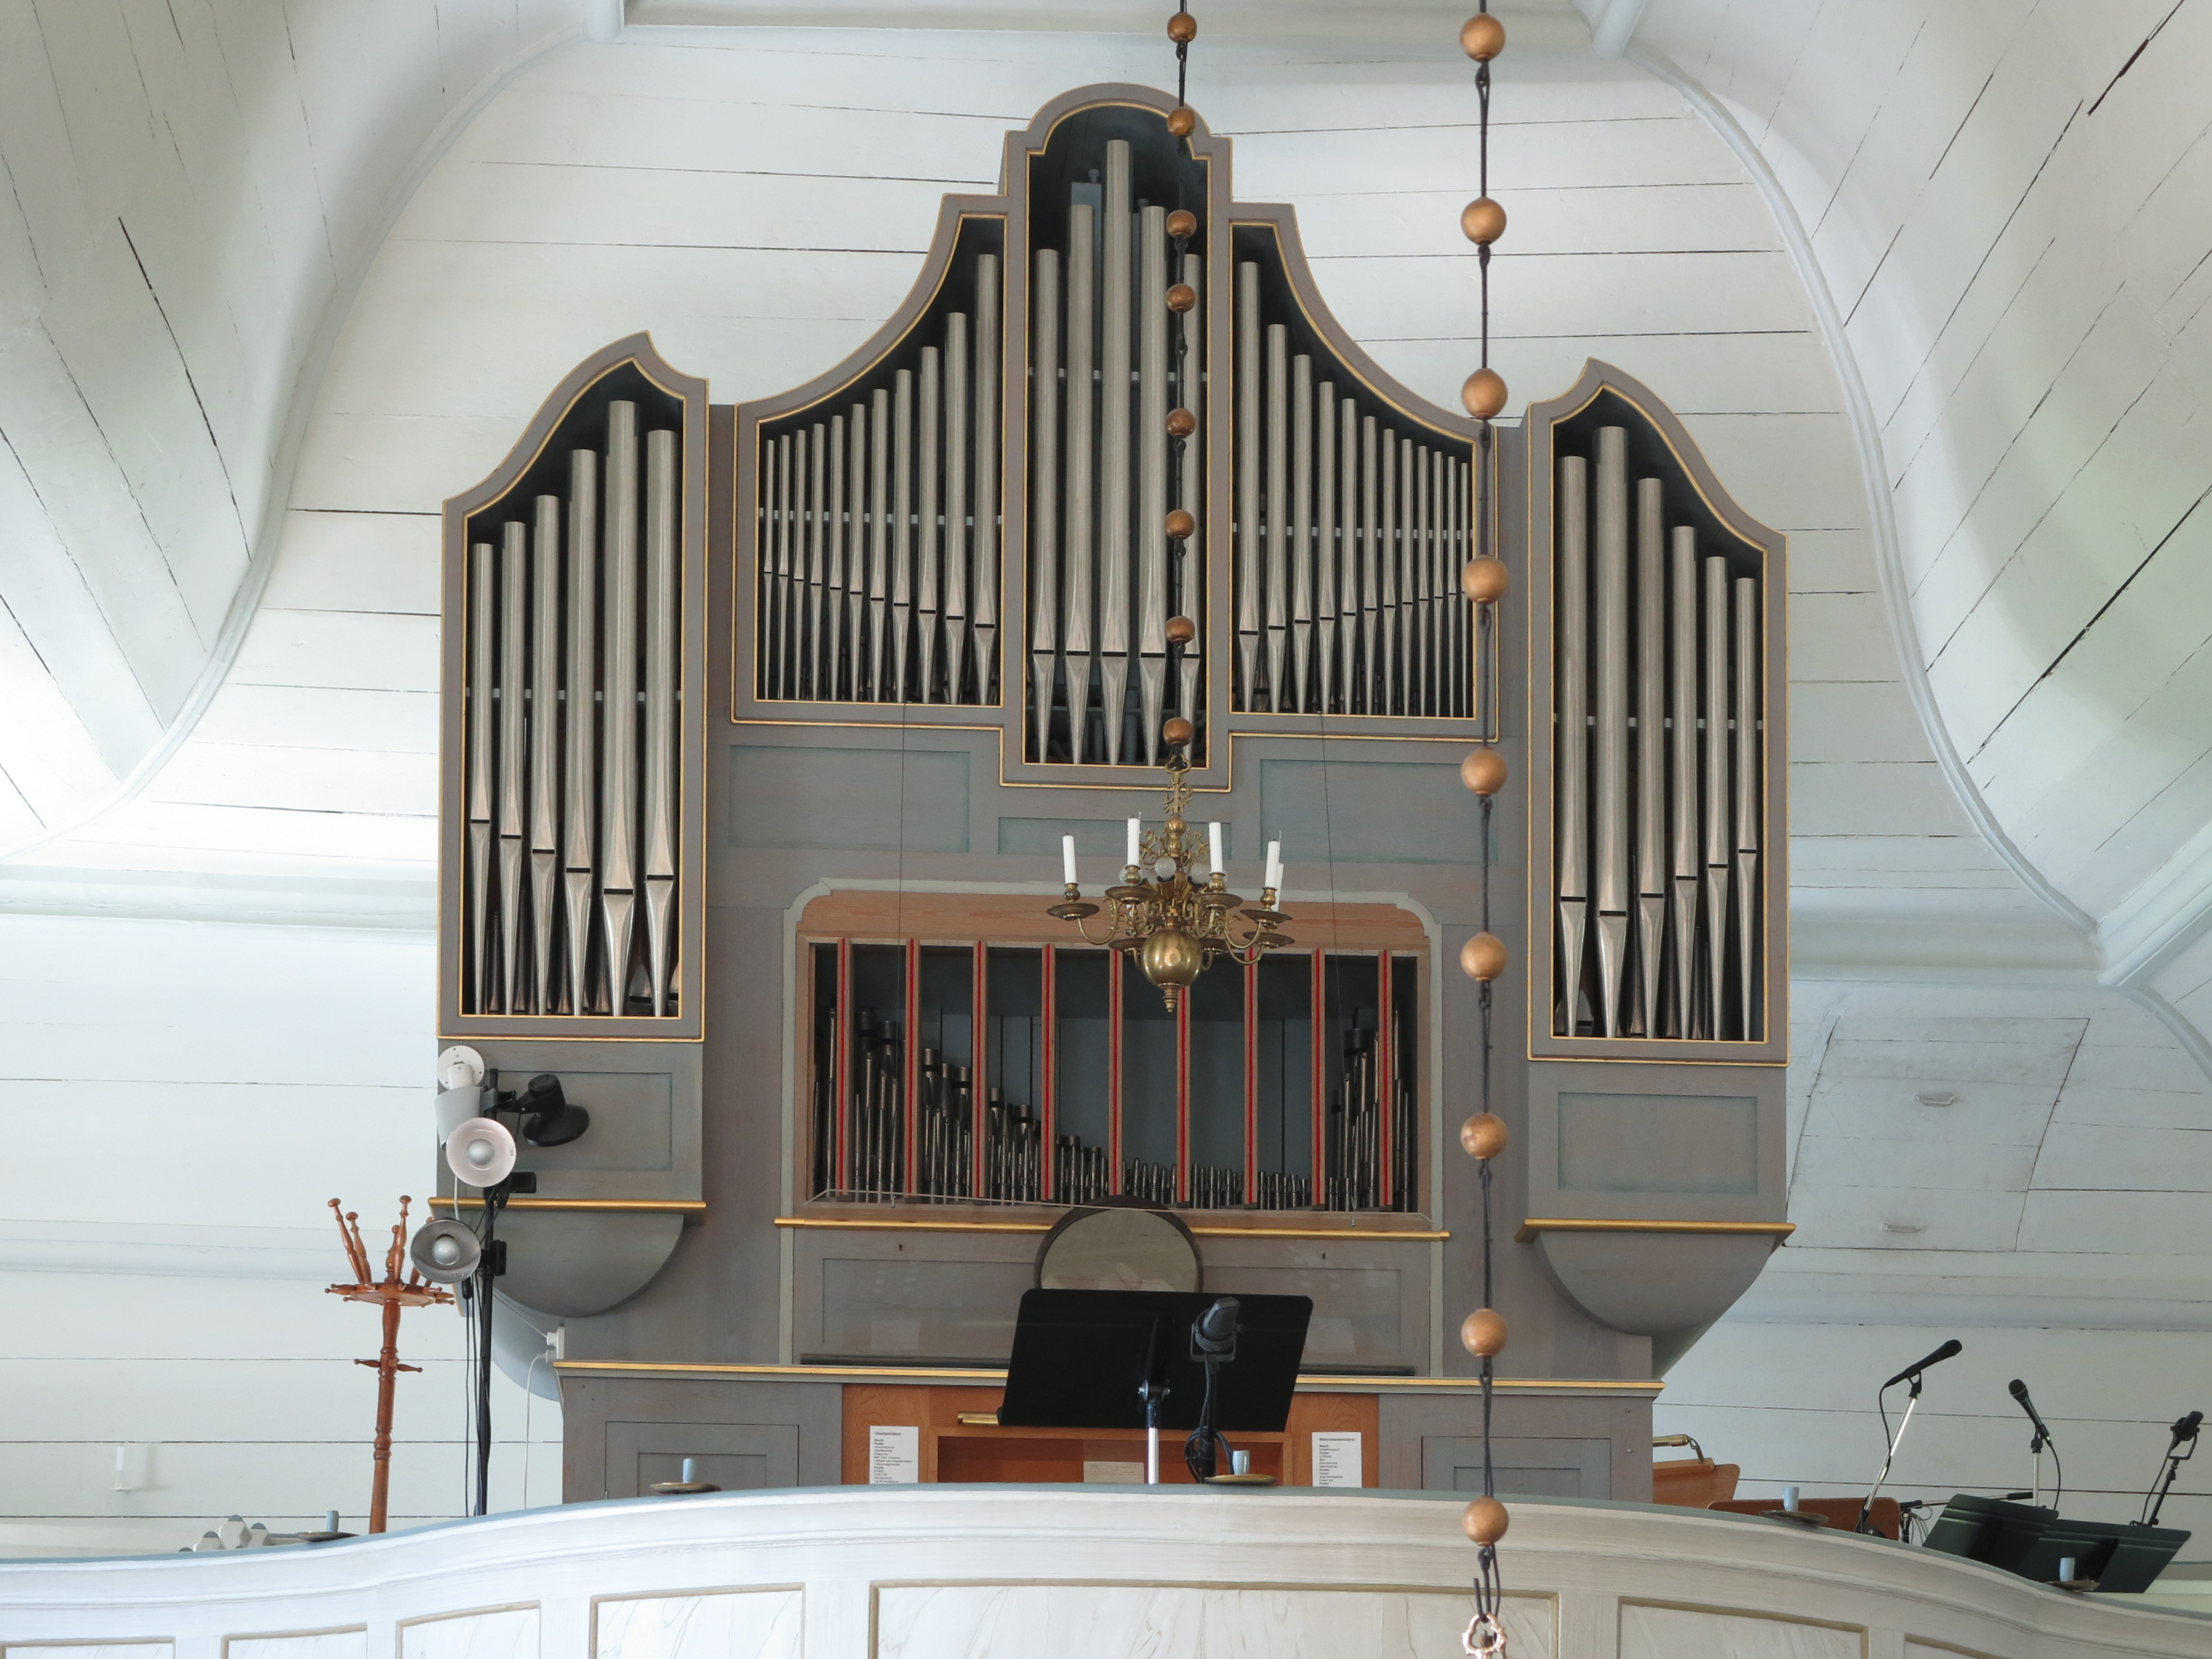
(1372,698)
(544,753)
(1152,442)
(1325,548)
(482,714)
(513,665)
(1747,905)
(902,528)
(1250,581)
(1044,498)
(1190,582)
(1082,447)
(1650,749)
(1275,523)
(958,530)
(983,600)
(662,568)
(580,792)
(1301,532)
(1391,557)
(1570,703)
(1682,798)
(1349,541)
(1115,483)
(929,397)
(772,579)
(814,632)
(834,645)
(880,545)
(618,779)
(1612,806)
(856,554)
(1720,843)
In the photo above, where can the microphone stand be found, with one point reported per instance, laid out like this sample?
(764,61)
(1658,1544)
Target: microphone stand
(2154,1500)
(1152,1390)
(1865,1523)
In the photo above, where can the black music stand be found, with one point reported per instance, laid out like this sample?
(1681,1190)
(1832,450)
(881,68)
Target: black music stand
(2032,1540)
(1121,1360)
(1992,1530)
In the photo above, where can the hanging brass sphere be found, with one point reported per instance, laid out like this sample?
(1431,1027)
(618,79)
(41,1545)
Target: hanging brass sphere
(1482,1333)
(1483,770)
(1182,526)
(1182,224)
(1183,28)
(1183,296)
(1182,423)
(1482,37)
(1484,580)
(1483,394)
(1178,732)
(1182,120)
(1182,631)
(1482,1137)
(1484,1521)
(1172,958)
(1483,957)
(1482,220)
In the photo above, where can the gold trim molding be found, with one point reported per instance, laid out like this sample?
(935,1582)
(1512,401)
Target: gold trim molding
(598,1205)
(1534,1225)
(949,1375)
(888,1224)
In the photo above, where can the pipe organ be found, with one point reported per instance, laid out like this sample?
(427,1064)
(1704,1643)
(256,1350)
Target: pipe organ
(831,681)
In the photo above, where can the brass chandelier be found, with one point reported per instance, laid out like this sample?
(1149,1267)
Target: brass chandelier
(1161,913)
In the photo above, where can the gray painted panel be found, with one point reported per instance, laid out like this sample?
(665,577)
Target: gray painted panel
(911,1306)
(1368,812)
(1360,1313)
(632,1125)
(1627,1143)
(735,1456)
(848,799)
(1523,1467)
(1095,839)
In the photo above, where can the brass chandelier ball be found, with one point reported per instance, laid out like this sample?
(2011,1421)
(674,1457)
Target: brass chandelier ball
(1182,423)
(1182,526)
(1178,732)
(1182,120)
(1483,957)
(1483,770)
(1182,224)
(1172,958)
(1482,37)
(1182,631)
(1482,220)
(1484,580)
(1182,297)
(1482,1333)
(1482,1137)
(1483,394)
(1183,28)
(1484,1521)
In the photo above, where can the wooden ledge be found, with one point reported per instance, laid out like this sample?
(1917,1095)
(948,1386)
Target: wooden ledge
(900,1224)
(1534,1225)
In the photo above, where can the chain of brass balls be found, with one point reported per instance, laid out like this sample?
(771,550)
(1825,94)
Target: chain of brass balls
(1176,731)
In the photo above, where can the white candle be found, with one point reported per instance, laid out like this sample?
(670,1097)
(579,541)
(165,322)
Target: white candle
(1213,849)
(1274,866)
(1067,858)
(1135,829)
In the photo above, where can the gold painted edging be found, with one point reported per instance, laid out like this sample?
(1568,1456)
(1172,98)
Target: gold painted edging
(889,1225)
(602,1205)
(1315,1384)
(1535,1224)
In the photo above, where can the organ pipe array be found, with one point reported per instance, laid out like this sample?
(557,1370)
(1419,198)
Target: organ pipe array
(1658,782)
(569,719)
(877,518)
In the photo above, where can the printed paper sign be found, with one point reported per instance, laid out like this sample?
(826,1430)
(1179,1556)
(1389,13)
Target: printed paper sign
(894,1456)
(1336,1457)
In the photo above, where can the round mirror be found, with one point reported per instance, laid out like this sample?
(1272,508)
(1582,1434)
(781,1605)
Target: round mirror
(1118,1248)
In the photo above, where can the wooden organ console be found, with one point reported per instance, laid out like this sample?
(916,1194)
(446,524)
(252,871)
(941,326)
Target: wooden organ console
(764,724)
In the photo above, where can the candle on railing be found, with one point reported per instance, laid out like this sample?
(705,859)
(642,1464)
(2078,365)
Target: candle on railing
(1213,849)
(1067,858)
(1135,829)
(1274,880)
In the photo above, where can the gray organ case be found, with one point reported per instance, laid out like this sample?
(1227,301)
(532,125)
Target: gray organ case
(765,723)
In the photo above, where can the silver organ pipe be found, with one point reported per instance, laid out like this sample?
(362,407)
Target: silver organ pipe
(1248,599)
(483,714)
(1348,543)
(852,672)
(580,793)
(618,746)
(1372,699)
(1080,543)
(1650,750)
(1274,525)
(545,555)
(808,675)
(829,670)
(1325,554)
(1152,421)
(1190,584)
(1421,697)
(661,552)
(880,551)
(775,569)
(953,593)
(1682,718)
(929,394)
(1748,730)
(1301,516)
(983,398)
(902,528)
(1389,698)
(1720,850)
(1044,498)
(1610,805)
(1571,706)
(1115,367)
(513,636)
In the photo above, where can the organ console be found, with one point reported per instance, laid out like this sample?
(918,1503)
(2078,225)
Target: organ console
(807,690)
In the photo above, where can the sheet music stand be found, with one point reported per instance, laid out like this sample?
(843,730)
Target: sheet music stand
(2030,1541)
(1081,1359)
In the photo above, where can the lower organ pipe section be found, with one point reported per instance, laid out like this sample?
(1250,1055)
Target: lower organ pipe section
(878,513)
(570,719)
(1658,782)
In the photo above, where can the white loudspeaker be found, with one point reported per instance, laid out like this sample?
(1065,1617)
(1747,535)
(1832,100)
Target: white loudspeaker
(460,1068)
(445,1252)
(480,1152)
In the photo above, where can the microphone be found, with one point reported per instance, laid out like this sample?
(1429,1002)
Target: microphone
(1945,1351)
(1214,1331)
(2186,1428)
(2018,1390)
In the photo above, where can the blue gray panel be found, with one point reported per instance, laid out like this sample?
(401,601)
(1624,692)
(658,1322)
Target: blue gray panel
(1368,813)
(1095,839)
(631,1123)
(854,800)
(1627,1143)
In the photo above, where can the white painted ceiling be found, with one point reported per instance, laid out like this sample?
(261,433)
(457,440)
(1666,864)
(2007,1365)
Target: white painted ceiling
(1924,310)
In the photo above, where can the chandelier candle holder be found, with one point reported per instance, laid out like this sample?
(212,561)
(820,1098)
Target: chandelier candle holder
(1174,921)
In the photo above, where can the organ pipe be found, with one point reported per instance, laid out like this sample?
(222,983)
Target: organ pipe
(1249,580)
(1610,803)
(661,552)
(1650,750)
(983,606)
(1081,542)
(1745,704)
(953,595)
(618,749)
(514,633)
(1115,437)
(1571,699)
(1152,475)
(579,796)
(1720,848)
(1301,518)
(544,986)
